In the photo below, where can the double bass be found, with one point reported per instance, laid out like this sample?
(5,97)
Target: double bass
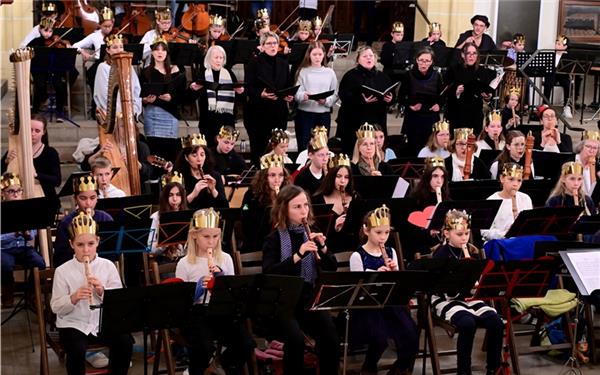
(196,20)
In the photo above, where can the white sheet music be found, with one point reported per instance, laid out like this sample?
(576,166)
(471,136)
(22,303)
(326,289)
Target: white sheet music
(401,188)
(587,266)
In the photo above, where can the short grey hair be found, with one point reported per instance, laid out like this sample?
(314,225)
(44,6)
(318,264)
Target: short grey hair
(267,35)
(209,54)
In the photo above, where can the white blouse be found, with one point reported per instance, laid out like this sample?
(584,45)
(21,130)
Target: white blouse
(504,218)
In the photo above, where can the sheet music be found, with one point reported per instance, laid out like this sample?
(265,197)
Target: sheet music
(401,188)
(586,265)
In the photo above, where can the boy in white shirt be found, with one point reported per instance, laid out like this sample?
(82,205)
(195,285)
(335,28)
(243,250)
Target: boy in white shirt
(102,170)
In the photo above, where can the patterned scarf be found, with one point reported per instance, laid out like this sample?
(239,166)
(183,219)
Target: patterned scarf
(223,100)
(365,168)
(308,265)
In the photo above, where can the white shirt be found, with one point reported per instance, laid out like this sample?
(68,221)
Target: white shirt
(101,90)
(93,41)
(34,33)
(427,153)
(69,277)
(494,170)
(588,187)
(482,145)
(193,272)
(302,158)
(147,40)
(504,218)
(356,263)
(112,192)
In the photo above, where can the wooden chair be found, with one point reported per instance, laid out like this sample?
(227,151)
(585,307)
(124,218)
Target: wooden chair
(247,263)
(237,196)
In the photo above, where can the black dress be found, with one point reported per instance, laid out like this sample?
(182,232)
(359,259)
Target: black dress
(307,181)
(487,43)
(228,164)
(205,198)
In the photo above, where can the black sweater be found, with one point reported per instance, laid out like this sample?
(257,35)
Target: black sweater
(175,87)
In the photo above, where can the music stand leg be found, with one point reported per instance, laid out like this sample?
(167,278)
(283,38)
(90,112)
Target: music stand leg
(346,338)
(571,366)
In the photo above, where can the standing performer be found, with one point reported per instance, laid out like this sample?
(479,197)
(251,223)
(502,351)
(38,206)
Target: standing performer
(457,161)
(483,42)
(588,155)
(435,42)
(366,160)
(510,112)
(394,57)
(560,46)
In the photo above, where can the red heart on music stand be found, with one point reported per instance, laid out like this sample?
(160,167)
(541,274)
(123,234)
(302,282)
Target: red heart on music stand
(421,218)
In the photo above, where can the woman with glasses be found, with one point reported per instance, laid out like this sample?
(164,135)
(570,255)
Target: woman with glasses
(421,97)
(588,153)
(457,161)
(550,138)
(468,89)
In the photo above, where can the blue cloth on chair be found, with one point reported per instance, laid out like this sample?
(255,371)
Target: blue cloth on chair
(517,248)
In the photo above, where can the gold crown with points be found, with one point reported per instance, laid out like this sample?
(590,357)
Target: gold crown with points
(193,140)
(216,20)
(48,7)
(318,129)
(160,39)
(279,136)
(229,133)
(10,179)
(84,183)
(457,220)
(319,141)
(82,224)
(262,13)
(379,216)
(318,22)
(563,39)
(338,161)
(114,39)
(434,162)
(162,14)
(171,178)
(205,218)
(46,23)
(106,14)
(441,125)
(462,133)
(495,115)
(365,131)
(435,26)
(397,27)
(572,167)
(512,170)
(515,90)
(591,135)
(271,160)
(260,24)
(519,39)
(304,25)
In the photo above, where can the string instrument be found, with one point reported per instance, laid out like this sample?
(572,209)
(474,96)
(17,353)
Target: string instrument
(308,232)
(196,19)
(326,19)
(157,161)
(58,41)
(137,21)
(177,35)
(87,15)
(468,169)
(88,273)
(528,156)
(67,19)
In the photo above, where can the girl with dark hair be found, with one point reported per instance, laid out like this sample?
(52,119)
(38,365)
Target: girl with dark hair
(513,152)
(433,185)
(457,161)
(491,137)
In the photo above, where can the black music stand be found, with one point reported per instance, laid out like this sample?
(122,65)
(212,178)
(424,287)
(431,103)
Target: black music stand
(345,291)
(409,168)
(136,48)
(323,215)
(587,224)
(545,163)
(185,54)
(573,65)
(55,61)
(126,237)
(154,307)
(488,157)
(482,213)
(374,187)
(127,209)
(19,215)
(494,58)
(555,221)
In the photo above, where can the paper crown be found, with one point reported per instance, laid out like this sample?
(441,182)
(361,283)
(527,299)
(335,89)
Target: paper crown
(229,133)
(82,224)
(519,39)
(9,179)
(563,39)
(495,115)
(318,22)
(365,131)
(170,178)
(441,125)
(512,170)
(457,220)
(279,136)
(48,7)
(318,129)
(591,135)
(260,24)
(434,162)
(462,133)
(379,216)
(435,26)
(193,140)
(114,39)
(46,23)
(262,13)
(160,39)
(515,90)
(338,161)
(216,20)
(318,141)
(162,14)
(397,27)
(572,167)
(271,160)
(205,218)
(304,25)
(84,183)
(106,14)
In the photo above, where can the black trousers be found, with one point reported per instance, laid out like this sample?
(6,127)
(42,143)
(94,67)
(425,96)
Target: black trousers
(75,343)
(41,81)
(564,82)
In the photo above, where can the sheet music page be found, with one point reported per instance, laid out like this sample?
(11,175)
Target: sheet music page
(587,265)
(401,188)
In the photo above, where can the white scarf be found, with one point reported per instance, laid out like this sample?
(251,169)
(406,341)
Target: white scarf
(457,174)
(223,100)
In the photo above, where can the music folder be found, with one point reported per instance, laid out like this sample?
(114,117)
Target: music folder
(379,93)
(291,91)
(321,95)
(153,88)
(209,85)
(583,265)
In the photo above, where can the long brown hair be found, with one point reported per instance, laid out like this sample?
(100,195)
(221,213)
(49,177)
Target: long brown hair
(260,186)
(279,212)
(306,61)
(41,118)
(328,185)
(148,70)
(163,200)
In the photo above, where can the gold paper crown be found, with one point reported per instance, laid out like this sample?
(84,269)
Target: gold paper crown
(260,24)
(572,167)
(397,27)
(171,177)
(205,218)
(441,125)
(46,23)
(318,141)
(434,162)
(10,179)
(435,26)
(271,160)
(48,7)
(82,224)
(304,25)
(193,140)
(106,14)
(495,115)
(462,133)
(365,131)
(162,14)
(379,216)
(515,90)
(229,134)
(216,20)
(457,220)
(262,13)
(318,22)
(563,39)
(512,170)
(84,183)
(338,161)
(591,135)
(279,136)
(519,39)
(113,39)
(318,129)
(160,39)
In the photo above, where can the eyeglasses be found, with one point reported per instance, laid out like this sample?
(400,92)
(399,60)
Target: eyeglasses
(271,43)
(591,147)
(13,191)
(423,61)
(461,144)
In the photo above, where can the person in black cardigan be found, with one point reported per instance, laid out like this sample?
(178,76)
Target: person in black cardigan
(457,159)
(227,160)
(483,42)
(289,251)
(264,110)
(366,158)
(312,175)
(357,107)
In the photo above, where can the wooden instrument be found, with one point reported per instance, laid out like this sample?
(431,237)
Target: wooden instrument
(157,161)
(196,19)
(528,156)
(326,20)
(307,230)
(211,261)
(121,133)
(592,163)
(88,273)
(58,41)
(384,255)
(371,162)
(276,191)
(438,194)
(515,210)
(177,35)
(344,200)
(466,252)
(202,177)
(468,169)
(87,16)
(514,117)
(137,21)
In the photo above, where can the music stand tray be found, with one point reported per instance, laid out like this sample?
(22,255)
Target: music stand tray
(118,238)
(127,209)
(554,221)
(17,215)
(482,212)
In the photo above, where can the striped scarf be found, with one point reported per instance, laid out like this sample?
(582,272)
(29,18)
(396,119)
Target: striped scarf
(221,101)
(308,264)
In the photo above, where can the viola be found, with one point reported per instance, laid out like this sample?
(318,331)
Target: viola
(136,20)
(196,19)
(87,14)
(67,19)
(177,35)
(55,41)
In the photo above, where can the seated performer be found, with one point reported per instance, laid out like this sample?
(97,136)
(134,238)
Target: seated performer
(513,201)
(517,45)
(78,284)
(588,154)
(366,160)
(438,142)
(569,192)
(313,174)
(375,327)
(513,152)
(278,145)
(466,316)
(433,185)
(163,22)
(49,10)
(216,29)
(456,162)
(227,160)
(510,120)
(387,152)
(550,138)
(103,171)
(491,137)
